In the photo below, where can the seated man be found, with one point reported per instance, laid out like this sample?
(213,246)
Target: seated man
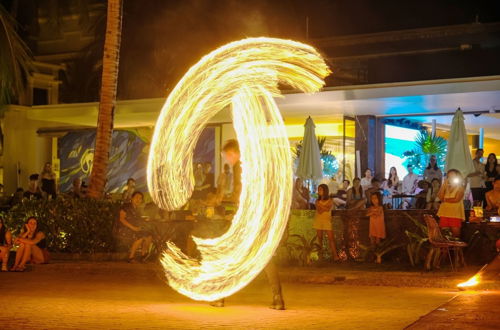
(421,194)
(493,196)
(410,182)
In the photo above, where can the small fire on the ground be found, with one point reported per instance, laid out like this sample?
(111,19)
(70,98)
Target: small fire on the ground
(474,280)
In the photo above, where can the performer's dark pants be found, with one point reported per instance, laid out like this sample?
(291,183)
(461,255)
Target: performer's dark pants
(273,277)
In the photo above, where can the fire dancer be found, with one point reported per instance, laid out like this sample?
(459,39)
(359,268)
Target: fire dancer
(231,153)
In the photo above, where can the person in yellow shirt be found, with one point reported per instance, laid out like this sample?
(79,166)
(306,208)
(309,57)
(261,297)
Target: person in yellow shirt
(451,211)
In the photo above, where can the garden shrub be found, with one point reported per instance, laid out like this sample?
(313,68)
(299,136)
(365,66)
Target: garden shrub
(70,225)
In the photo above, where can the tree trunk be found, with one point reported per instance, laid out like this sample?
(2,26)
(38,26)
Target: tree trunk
(107,98)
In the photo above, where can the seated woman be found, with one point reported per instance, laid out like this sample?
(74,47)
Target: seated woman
(5,245)
(355,196)
(32,246)
(493,196)
(129,228)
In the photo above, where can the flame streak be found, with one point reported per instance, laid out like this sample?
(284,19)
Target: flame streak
(473,281)
(243,75)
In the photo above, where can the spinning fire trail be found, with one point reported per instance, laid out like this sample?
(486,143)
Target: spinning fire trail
(243,75)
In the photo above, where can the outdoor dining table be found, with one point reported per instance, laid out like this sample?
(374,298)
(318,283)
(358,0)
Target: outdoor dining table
(181,226)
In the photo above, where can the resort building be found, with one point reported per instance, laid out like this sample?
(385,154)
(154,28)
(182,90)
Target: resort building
(385,87)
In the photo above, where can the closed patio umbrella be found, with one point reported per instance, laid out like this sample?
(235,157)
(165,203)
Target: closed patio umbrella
(310,159)
(459,155)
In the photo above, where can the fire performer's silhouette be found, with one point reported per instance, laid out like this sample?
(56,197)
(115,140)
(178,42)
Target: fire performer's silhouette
(231,153)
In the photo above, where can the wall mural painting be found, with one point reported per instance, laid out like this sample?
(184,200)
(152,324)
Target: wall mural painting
(128,156)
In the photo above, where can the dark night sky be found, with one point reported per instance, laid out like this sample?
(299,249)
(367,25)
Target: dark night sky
(166,37)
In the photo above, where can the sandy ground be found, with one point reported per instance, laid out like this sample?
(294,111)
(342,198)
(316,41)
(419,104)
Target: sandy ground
(134,297)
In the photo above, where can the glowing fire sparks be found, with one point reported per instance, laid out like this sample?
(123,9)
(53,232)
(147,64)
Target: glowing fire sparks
(243,75)
(474,280)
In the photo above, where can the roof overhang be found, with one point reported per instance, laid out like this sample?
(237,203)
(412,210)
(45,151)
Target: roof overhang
(421,98)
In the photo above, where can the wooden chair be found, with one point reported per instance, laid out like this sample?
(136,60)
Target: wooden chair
(443,244)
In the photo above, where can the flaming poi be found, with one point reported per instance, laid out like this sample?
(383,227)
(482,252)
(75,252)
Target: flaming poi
(243,76)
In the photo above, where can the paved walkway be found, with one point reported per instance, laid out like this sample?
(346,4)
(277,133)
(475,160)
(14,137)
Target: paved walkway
(468,310)
(473,309)
(123,296)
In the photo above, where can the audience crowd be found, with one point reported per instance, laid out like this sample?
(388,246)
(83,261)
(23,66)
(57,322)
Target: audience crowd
(449,195)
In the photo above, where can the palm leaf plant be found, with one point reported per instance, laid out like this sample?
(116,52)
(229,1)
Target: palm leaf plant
(15,60)
(426,145)
(302,249)
(379,250)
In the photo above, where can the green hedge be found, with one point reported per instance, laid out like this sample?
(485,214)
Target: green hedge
(70,225)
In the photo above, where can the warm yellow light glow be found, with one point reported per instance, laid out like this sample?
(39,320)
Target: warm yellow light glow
(243,75)
(474,280)
(333,129)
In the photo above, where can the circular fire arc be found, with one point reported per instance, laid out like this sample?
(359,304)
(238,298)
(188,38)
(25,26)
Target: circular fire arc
(243,75)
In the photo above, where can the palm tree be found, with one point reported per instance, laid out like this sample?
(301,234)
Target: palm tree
(107,102)
(15,60)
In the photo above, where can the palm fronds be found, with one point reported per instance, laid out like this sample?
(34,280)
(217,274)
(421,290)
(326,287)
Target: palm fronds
(15,59)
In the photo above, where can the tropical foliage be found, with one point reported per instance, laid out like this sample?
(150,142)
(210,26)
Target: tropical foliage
(15,60)
(302,250)
(70,225)
(418,241)
(379,250)
(426,145)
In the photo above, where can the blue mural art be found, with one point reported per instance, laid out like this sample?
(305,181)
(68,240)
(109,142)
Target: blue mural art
(204,151)
(128,157)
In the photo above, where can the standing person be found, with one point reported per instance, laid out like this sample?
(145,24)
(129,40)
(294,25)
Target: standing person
(299,201)
(209,180)
(199,180)
(224,183)
(32,246)
(492,170)
(323,219)
(33,191)
(476,178)
(432,171)
(451,211)
(129,228)
(410,182)
(366,181)
(48,179)
(355,196)
(128,190)
(5,244)
(332,184)
(231,153)
(376,214)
